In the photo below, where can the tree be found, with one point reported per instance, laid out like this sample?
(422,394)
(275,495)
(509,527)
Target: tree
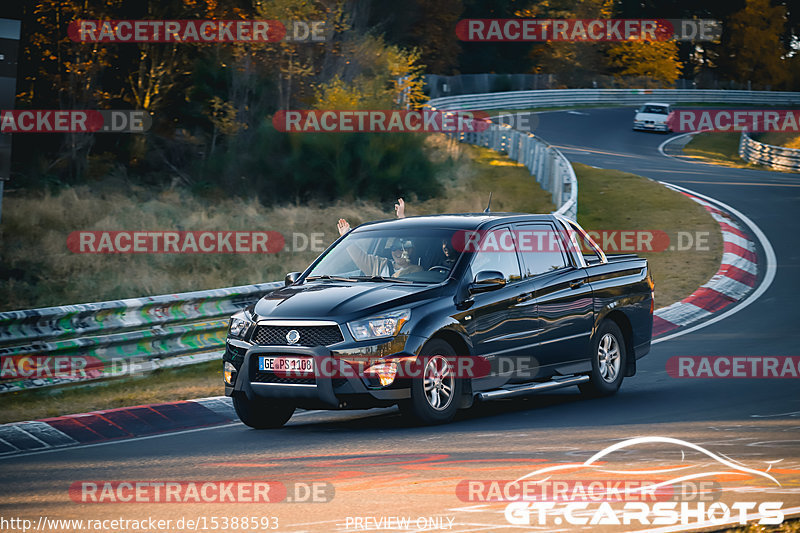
(656,60)
(752,44)
(375,75)
(574,63)
(298,62)
(427,25)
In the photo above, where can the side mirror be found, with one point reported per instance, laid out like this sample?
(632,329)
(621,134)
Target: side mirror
(290,278)
(487,280)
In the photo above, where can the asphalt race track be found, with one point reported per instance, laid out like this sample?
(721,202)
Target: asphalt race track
(382,468)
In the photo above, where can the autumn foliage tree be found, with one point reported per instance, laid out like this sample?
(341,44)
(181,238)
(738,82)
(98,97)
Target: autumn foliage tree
(647,63)
(753,50)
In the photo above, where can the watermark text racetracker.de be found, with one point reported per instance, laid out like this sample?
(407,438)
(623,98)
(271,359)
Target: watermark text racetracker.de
(733,367)
(193,242)
(22,371)
(379,121)
(585,490)
(735,120)
(548,241)
(587,30)
(175,242)
(74,121)
(200,491)
(196,31)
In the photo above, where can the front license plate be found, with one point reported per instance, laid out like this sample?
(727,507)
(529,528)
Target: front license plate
(282,364)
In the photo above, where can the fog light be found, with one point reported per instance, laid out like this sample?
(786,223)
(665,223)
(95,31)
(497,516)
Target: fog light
(385,372)
(229,373)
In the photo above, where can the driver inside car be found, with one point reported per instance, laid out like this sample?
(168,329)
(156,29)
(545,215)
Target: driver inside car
(375,265)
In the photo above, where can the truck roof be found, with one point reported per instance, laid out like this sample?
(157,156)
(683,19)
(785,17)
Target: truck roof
(455,221)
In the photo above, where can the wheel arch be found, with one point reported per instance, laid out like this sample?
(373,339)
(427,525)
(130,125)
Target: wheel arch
(624,324)
(462,348)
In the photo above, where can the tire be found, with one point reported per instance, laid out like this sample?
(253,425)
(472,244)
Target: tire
(608,361)
(436,392)
(262,414)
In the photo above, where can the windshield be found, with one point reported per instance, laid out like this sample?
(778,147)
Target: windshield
(655,109)
(418,255)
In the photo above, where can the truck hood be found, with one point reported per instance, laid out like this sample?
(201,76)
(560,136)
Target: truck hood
(335,300)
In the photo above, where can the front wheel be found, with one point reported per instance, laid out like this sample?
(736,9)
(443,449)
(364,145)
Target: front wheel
(436,392)
(262,413)
(608,361)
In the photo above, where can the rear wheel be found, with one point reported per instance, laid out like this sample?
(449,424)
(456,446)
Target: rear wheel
(436,392)
(608,361)
(262,413)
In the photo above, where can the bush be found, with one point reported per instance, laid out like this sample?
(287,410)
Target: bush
(298,167)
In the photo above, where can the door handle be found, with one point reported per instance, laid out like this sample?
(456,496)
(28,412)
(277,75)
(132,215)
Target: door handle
(576,284)
(524,297)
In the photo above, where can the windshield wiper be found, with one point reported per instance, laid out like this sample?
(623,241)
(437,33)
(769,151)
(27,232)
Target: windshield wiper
(328,276)
(382,278)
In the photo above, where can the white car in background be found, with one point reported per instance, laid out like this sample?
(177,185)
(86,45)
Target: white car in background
(652,116)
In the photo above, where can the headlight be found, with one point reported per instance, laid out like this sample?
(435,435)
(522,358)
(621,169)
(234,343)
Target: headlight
(386,325)
(238,327)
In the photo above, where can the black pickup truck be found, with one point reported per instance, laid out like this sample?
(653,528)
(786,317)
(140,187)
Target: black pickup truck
(433,313)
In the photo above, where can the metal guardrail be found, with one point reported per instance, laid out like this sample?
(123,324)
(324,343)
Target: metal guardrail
(777,157)
(567,97)
(552,170)
(110,339)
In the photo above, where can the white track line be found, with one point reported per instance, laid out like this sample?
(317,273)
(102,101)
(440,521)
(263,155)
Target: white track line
(769,276)
(134,439)
(662,145)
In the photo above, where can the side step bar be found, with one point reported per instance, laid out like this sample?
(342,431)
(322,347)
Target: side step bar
(529,388)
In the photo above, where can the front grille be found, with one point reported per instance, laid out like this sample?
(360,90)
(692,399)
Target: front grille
(269,377)
(309,335)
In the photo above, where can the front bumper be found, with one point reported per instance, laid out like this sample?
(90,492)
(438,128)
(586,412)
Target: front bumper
(338,381)
(650,126)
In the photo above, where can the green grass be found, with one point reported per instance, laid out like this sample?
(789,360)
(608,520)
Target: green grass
(485,171)
(608,199)
(165,385)
(716,147)
(615,200)
(779,138)
(722,148)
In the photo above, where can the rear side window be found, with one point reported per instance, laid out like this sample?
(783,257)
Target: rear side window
(541,249)
(497,252)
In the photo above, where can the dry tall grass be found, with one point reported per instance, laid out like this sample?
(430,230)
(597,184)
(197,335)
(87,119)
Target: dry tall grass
(39,270)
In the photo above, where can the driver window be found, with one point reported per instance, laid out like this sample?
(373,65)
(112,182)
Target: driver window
(497,252)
